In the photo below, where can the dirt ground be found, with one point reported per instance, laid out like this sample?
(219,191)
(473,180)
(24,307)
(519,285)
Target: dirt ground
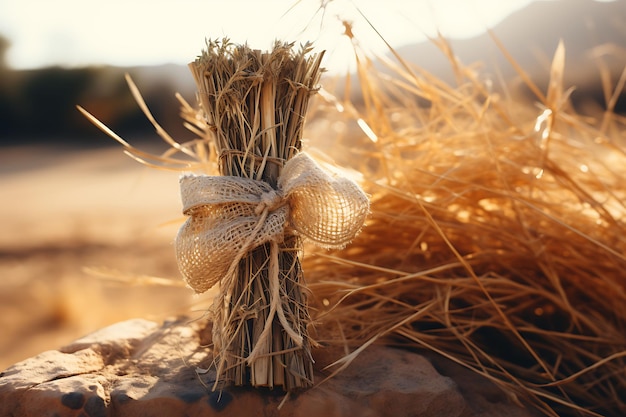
(65,212)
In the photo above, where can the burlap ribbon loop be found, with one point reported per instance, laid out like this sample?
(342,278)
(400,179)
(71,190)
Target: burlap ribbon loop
(229,216)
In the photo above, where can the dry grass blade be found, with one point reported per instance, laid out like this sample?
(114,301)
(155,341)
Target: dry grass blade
(198,154)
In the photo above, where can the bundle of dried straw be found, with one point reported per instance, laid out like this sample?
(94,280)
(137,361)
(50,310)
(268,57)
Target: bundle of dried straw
(255,104)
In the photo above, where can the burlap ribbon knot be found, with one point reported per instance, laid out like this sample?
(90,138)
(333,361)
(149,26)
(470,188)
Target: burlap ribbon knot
(229,216)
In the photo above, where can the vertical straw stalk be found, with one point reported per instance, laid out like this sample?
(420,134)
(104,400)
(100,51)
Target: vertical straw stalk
(255,104)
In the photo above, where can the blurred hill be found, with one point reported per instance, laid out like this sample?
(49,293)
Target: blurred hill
(39,105)
(593,32)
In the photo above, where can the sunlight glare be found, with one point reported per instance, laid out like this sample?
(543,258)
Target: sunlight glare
(76,33)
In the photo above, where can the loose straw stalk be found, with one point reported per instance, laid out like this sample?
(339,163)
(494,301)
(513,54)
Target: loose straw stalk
(255,103)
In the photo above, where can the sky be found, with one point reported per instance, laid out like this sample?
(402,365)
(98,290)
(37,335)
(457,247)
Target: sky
(75,33)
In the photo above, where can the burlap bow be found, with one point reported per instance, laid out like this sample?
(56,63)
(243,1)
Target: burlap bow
(229,216)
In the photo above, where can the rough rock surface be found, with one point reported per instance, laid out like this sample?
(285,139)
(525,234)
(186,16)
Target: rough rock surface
(141,368)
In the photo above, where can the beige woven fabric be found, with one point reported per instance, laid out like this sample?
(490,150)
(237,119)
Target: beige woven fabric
(229,216)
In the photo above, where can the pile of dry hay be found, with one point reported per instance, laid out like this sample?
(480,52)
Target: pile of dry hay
(496,237)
